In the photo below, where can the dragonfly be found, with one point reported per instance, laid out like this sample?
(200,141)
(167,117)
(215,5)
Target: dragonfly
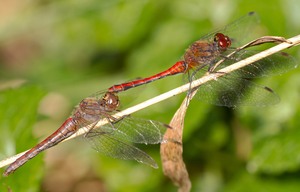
(114,139)
(233,88)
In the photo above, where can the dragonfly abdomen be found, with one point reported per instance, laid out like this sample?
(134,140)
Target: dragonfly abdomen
(68,128)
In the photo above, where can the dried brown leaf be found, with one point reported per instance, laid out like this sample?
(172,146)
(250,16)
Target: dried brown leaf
(171,151)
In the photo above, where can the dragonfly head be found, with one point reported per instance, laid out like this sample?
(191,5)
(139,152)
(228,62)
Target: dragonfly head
(110,101)
(222,41)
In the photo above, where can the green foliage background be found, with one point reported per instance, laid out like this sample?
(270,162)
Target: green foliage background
(55,53)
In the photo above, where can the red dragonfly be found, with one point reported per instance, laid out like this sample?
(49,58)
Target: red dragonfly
(228,90)
(113,139)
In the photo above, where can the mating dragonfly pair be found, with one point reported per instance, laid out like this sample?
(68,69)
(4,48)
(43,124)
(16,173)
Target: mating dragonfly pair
(115,137)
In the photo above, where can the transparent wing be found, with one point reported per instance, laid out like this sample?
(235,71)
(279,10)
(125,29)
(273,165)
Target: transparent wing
(232,92)
(134,130)
(240,31)
(110,146)
(139,130)
(275,64)
(115,139)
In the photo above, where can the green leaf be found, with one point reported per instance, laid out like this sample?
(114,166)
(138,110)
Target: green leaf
(249,182)
(277,154)
(18,113)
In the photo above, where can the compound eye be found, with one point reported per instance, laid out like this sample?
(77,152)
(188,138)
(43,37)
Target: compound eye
(111,101)
(222,41)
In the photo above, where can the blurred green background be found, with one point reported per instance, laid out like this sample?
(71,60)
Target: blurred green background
(55,53)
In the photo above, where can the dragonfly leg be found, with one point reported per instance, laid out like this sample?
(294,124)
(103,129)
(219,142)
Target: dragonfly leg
(90,128)
(111,120)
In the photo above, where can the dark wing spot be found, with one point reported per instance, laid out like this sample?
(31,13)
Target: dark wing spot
(269,89)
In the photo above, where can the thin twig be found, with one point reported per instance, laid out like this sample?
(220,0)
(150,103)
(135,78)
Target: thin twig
(294,41)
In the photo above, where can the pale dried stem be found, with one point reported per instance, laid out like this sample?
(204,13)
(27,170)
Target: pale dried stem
(294,41)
